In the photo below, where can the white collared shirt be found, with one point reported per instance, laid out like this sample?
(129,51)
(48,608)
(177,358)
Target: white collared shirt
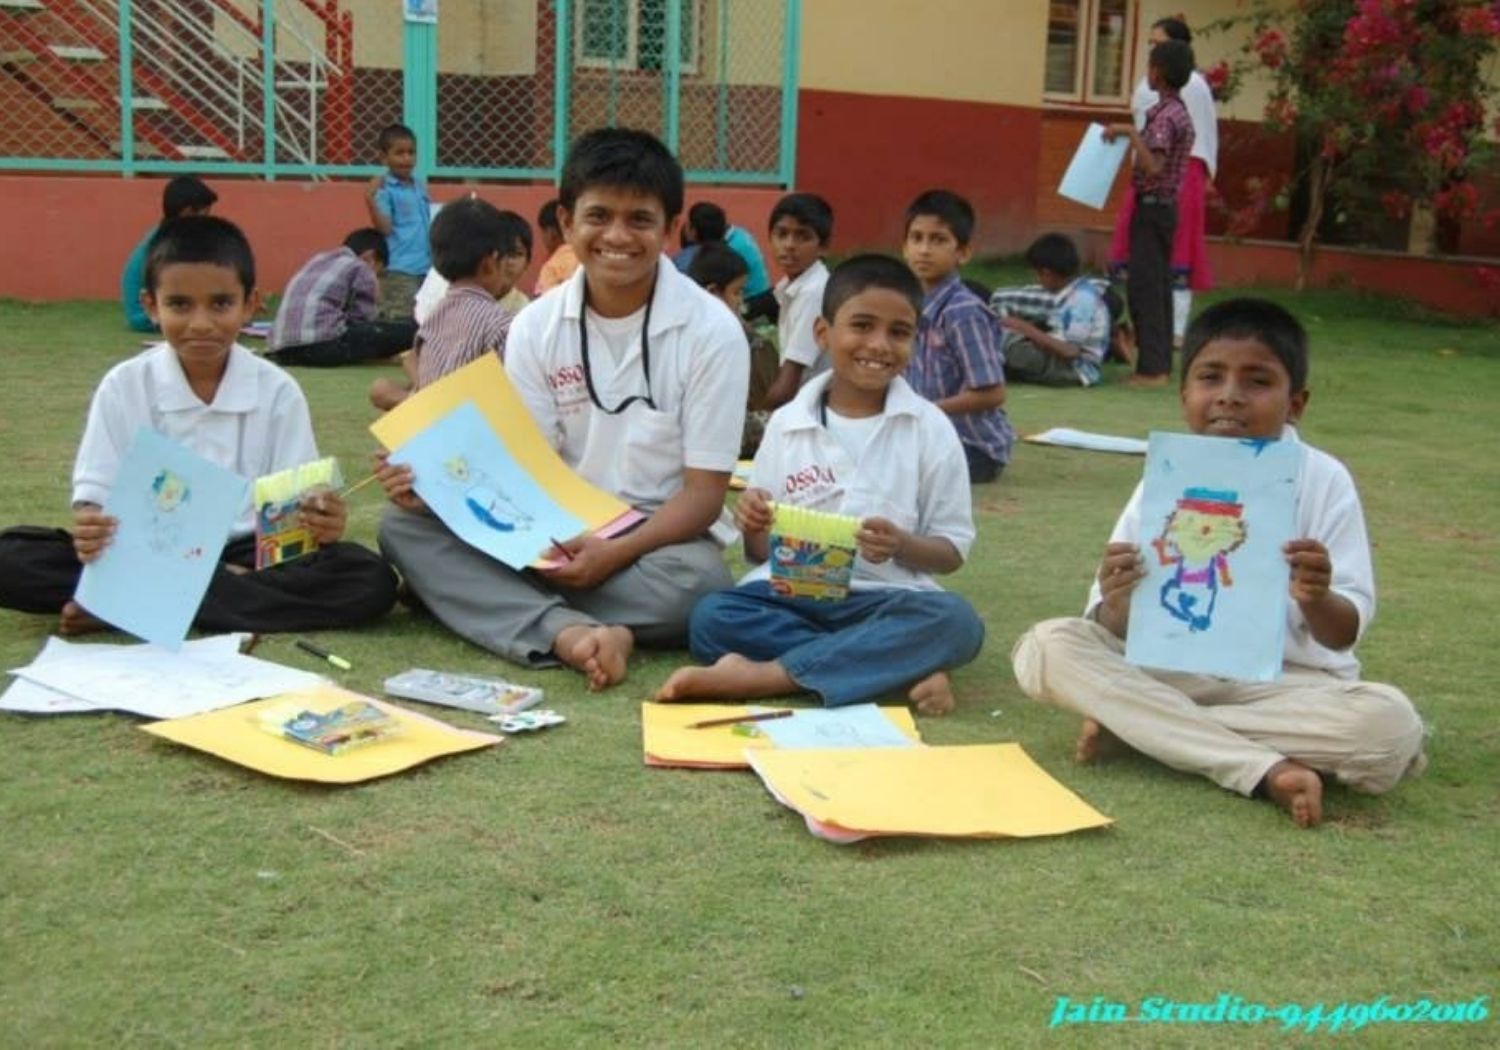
(700,375)
(801,302)
(1198,97)
(912,471)
(1328,510)
(258,422)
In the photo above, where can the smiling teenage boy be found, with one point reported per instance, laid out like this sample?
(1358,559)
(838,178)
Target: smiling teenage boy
(211,395)
(877,451)
(1244,376)
(801,225)
(638,378)
(956,363)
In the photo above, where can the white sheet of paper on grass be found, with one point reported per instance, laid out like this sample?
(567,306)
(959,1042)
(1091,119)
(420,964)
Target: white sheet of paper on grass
(858,725)
(28,697)
(147,680)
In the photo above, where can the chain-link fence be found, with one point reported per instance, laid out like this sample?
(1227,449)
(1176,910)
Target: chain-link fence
(492,89)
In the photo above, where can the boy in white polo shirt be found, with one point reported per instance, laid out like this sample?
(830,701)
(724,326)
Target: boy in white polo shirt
(801,227)
(857,440)
(206,392)
(638,378)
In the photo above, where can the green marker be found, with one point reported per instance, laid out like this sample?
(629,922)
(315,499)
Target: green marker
(323,654)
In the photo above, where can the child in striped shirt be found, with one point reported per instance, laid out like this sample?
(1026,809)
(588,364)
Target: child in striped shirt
(481,251)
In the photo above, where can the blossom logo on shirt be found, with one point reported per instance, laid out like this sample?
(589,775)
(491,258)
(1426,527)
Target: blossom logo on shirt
(567,385)
(814,483)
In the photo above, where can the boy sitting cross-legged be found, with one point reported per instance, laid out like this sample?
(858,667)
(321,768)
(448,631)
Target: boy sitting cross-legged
(211,395)
(1244,376)
(637,376)
(956,364)
(328,315)
(856,440)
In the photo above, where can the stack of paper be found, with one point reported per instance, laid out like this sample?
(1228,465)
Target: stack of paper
(974,791)
(148,680)
(30,698)
(236,735)
(668,740)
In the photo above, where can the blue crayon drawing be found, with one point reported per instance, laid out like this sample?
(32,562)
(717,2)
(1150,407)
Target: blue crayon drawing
(1196,540)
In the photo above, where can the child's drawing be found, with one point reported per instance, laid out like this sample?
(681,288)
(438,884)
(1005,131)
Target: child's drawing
(1196,539)
(486,501)
(169,491)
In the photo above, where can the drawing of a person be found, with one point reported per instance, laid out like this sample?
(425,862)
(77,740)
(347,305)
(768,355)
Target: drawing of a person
(489,505)
(1198,536)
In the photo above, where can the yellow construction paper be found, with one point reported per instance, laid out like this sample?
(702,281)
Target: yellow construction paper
(235,735)
(485,383)
(977,791)
(667,740)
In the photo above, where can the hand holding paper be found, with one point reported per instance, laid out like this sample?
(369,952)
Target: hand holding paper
(92,531)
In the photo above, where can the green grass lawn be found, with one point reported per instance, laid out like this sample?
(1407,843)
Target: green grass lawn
(555,892)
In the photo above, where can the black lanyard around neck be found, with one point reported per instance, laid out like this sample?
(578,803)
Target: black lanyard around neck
(588,371)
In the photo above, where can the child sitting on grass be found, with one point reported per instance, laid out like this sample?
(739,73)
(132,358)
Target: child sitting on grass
(801,226)
(204,391)
(1244,376)
(856,441)
(1056,332)
(956,363)
(480,251)
(561,260)
(328,315)
(182,195)
(724,273)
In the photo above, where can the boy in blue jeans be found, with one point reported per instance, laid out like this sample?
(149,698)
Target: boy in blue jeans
(957,363)
(400,209)
(1244,378)
(858,441)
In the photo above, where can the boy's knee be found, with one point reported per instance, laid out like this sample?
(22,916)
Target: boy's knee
(1390,735)
(1045,642)
(959,624)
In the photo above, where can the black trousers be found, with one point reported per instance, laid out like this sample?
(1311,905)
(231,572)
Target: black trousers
(762,307)
(366,341)
(1149,284)
(340,585)
(982,469)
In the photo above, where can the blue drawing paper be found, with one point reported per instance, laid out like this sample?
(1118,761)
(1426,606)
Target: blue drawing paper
(858,725)
(175,510)
(465,474)
(1092,171)
(1215,513)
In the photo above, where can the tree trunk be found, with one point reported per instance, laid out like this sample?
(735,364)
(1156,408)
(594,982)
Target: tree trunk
(1317,193)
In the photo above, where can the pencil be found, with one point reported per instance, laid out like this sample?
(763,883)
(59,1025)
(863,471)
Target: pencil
(557,544)
(737,719)
(352,489)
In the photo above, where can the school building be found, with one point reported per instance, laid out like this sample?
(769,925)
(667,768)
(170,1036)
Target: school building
(868,102)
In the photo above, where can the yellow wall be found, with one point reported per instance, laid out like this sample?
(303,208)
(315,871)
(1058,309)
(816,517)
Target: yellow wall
(974,50)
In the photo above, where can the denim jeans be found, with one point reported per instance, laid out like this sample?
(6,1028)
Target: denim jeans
(853,651)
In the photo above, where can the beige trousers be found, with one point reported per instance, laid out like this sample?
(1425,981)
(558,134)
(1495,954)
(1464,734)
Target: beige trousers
(1366,735)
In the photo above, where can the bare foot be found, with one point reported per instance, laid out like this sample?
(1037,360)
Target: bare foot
(1095,743)
(598,653)
(933,695)
(732,678)
(75,620)
(1296,789)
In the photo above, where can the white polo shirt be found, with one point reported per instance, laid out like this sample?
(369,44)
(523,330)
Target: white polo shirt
(1328,510)
(912,471)
(801,302)
(700,376)
(258,422)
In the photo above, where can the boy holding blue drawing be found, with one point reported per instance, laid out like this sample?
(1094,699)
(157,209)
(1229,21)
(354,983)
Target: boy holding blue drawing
(857,441)
(637,377)
(1244,376)
(211,395)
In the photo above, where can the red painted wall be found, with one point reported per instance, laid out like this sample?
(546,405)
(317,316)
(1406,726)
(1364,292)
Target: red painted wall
(67,237)
(869,155)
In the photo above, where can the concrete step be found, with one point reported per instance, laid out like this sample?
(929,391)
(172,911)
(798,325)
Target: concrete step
(76,53)
(75,105)
(20,6)
(18,57)
(202,152)
(141,103)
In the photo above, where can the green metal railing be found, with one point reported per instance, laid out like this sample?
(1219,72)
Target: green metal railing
(280,94)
